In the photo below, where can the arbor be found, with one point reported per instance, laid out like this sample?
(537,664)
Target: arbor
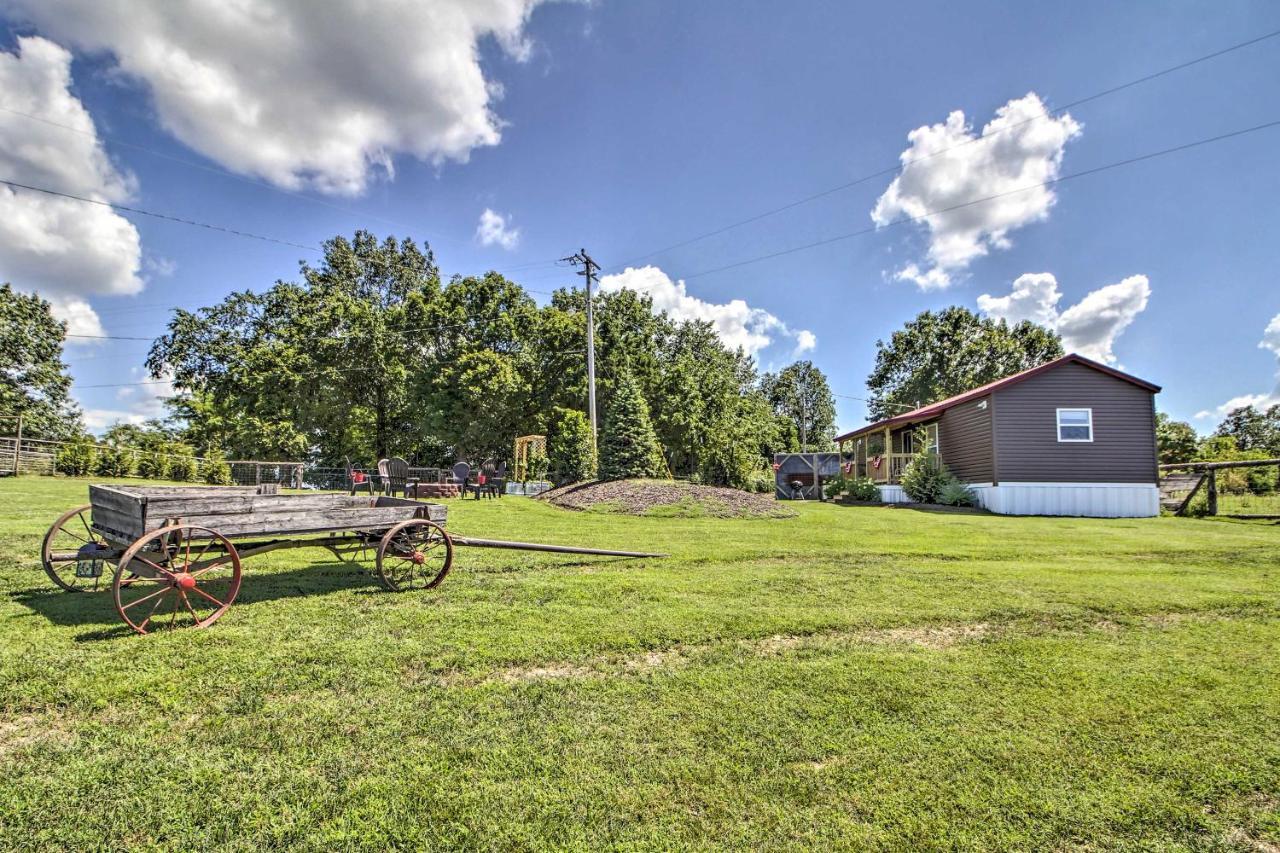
(800,395)
(1176,441)
(941,354)
(33,378)
(629,447)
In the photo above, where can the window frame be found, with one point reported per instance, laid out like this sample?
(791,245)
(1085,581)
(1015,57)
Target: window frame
(1059,424)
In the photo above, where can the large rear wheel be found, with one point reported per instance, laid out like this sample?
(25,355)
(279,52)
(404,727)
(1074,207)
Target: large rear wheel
(73,554)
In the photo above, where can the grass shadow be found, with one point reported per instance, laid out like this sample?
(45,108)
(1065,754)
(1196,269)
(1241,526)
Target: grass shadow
(98,609)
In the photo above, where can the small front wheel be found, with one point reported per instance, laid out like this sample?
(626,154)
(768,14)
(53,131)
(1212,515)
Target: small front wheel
(177,576)
(73,553)
(414,554)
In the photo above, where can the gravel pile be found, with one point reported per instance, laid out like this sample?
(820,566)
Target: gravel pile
(666,497)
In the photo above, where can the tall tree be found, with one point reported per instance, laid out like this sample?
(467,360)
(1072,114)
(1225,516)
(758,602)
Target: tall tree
(941,354)
(33,378)
(800,395)
(1176,441)
(1253,429)
(629,447)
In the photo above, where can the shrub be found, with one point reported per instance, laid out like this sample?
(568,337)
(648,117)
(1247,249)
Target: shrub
(696,478)
(214,470)
(569,447)
(956,493)
(537,467)
(76,457)
(182,463)
(114,461)
(924,477)
(153,466)
(862,489)
(761,481)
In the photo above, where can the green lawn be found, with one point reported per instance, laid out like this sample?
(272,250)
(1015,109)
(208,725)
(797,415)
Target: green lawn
(854,677)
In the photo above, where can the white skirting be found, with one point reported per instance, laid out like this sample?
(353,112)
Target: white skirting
(1095,500)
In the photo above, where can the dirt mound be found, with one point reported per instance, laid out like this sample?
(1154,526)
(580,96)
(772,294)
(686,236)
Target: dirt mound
(666,498)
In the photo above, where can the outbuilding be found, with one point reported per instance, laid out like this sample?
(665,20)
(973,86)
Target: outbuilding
(1069,437)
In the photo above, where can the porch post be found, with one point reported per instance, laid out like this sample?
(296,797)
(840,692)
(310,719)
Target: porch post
(888,455)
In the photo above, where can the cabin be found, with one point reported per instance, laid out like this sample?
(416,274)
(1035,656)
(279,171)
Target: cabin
(1069,437)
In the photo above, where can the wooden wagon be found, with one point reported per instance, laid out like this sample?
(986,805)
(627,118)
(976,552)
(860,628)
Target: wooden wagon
(176,550)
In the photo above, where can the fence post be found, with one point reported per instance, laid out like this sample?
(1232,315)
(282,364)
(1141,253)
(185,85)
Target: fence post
(257,473)
(1213,491)
(17,448)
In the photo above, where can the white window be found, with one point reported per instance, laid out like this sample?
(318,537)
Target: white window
(1075,424)
(931,438)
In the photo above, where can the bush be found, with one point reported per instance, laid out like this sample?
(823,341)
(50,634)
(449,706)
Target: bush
(214,470)
(153,466)
(857,488)
(537,467)
(924,478)
(114,461)
(956,493)
(762,481)
(76,457)
(182,463)
(569,447)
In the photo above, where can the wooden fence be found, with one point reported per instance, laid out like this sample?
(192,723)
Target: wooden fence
(37,456)
(1177,490)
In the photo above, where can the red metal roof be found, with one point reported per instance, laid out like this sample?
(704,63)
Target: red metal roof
(932,410)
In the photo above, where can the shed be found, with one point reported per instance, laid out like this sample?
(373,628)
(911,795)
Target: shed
(810,470)
(1068,437)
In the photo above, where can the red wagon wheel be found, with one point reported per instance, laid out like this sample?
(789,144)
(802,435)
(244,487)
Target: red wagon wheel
(177,576)
(72,553)
(414,554)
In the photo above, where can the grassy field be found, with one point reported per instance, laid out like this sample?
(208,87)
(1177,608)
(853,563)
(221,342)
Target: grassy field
(851,678)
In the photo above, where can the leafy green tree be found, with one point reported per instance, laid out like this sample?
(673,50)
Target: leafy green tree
(1176,441)
(33,378)
(569,447)
(944,353)
(629,447)
(76,457)
(182,462)
(801,397)
(1253,429)
(114,460)
(740,444)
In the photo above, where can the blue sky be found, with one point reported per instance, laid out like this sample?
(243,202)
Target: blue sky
(628,127)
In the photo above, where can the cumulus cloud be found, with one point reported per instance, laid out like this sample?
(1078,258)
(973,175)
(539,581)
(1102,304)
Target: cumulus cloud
(495,230)
(305,95)
(1270,341)
(135,404)
(1090,327)
(63,249)
(736,322)
(1025,150)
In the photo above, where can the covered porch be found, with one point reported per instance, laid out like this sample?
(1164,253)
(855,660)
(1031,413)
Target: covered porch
(881,454)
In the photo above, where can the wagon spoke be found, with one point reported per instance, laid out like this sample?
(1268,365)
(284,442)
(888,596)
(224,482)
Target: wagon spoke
(208,596)
(143,624)
(85,522)
(190,609)
(148,597)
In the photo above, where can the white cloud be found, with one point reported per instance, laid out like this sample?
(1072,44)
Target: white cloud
(1270,341)
(495,229)
(305,94)
(1025,150)
(136,403)
(736,322)
(1090,327)
(63,249)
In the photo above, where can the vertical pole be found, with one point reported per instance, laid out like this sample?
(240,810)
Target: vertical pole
(591,351)
(17,448)
(1213,491)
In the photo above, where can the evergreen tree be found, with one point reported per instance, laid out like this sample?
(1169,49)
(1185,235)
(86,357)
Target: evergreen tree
(569,447)
(629,447)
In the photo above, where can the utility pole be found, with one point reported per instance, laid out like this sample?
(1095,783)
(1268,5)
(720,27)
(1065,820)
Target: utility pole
(588,272)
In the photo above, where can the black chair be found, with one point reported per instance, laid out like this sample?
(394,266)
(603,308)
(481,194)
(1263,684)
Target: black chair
(499,479)
(461,474)
(396,477)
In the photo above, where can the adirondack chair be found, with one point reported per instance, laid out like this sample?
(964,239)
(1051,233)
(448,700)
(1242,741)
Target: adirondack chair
(499,479)
(365,482)
(461,474)
(395,476)
(488,473)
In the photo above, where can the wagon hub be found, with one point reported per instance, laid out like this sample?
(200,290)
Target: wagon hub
(186,581)
(417,558)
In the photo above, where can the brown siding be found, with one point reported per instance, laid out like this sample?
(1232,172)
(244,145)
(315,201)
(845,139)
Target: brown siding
(964,440)
(1123,449)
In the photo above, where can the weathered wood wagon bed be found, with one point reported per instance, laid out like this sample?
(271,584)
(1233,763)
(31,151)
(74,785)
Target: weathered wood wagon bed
(176,550)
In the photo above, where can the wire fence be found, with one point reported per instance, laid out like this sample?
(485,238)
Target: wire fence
(39,456)
(1242,488)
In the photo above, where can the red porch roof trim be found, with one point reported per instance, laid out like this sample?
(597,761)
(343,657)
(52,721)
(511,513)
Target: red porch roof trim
(932,410)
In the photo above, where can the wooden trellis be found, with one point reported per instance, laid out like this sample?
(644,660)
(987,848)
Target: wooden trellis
(526,446)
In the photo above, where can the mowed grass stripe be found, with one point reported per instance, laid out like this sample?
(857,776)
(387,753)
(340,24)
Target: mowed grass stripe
(776,683)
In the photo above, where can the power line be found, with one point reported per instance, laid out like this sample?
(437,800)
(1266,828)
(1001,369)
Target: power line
(921,217)
(904,165)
